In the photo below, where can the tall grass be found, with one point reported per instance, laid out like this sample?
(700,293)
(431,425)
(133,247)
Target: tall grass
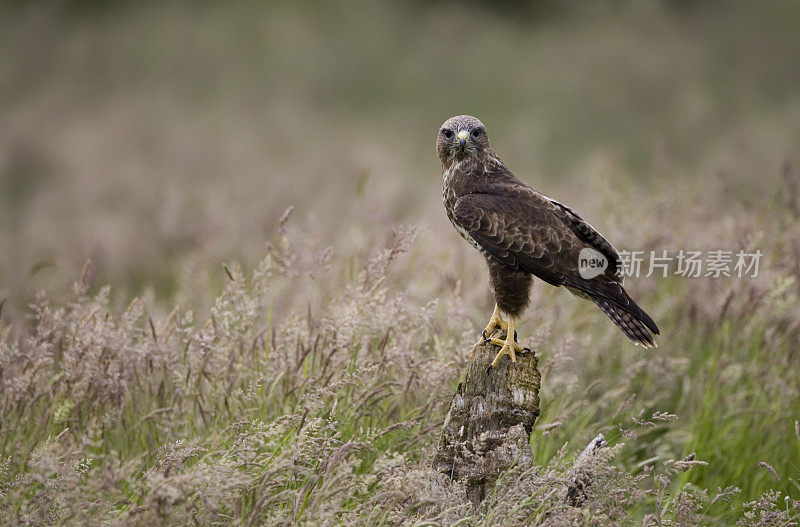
(314,389)
(225,360)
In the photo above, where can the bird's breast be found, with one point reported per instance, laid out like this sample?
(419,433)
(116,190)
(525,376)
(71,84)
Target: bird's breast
(449,197)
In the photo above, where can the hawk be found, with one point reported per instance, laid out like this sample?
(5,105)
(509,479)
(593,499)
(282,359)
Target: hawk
(523,234)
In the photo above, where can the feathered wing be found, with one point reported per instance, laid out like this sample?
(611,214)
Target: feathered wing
(530,232)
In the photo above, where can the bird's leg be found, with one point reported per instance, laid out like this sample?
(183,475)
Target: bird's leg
(494,323)
(509,346)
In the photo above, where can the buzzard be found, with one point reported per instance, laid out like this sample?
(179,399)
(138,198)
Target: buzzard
(523,234)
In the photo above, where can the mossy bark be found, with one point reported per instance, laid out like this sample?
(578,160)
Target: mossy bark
(488,426)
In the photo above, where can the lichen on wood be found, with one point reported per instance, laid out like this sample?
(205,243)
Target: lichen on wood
(488,426)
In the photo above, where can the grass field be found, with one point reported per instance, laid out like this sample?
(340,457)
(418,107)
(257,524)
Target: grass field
(276,311)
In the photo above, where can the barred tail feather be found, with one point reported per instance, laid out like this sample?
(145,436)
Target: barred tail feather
(638,330)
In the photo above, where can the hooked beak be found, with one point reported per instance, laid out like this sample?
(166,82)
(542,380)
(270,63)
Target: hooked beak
(462,138)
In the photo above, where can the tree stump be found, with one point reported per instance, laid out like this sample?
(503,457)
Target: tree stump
(488,426)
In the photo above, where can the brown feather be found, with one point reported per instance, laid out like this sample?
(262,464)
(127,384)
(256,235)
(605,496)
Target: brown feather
(521,233)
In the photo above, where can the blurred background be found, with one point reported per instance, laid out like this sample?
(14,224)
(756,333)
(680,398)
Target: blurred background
(162,140)
(149,135)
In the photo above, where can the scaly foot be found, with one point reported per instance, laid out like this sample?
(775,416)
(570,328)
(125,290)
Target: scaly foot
(496,322)
(509,347)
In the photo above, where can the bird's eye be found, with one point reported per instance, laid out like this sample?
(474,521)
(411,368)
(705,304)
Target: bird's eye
(448,134)
(476,133)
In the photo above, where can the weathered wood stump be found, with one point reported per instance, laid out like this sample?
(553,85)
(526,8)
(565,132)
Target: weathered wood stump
(488,426)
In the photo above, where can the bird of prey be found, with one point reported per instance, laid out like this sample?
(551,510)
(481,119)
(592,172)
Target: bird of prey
(523,234)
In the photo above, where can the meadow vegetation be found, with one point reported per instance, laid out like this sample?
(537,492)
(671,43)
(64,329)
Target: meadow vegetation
(315,388)
(179,345)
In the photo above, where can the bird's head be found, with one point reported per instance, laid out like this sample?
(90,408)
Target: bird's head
(461,137)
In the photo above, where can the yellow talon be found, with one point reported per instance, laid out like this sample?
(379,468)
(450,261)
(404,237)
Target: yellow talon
(509,346)
(496,322)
